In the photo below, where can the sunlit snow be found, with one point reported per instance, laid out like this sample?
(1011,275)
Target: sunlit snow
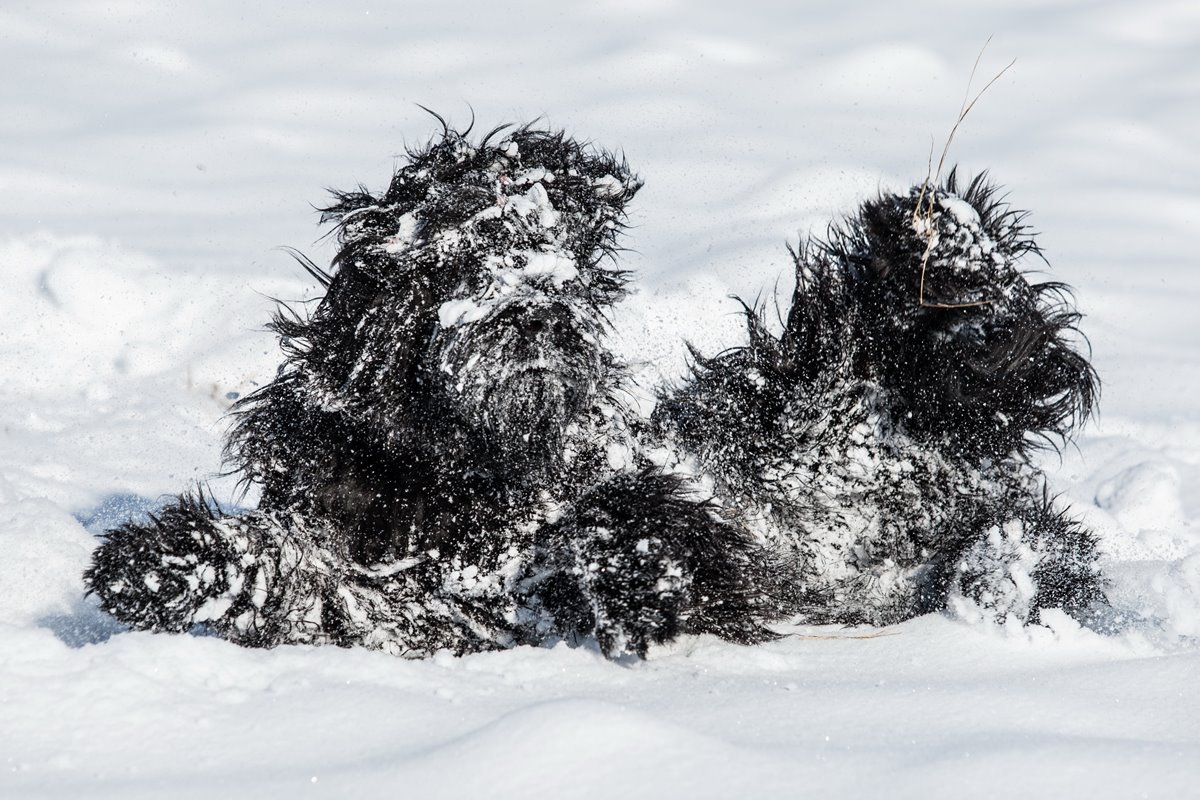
(155,156)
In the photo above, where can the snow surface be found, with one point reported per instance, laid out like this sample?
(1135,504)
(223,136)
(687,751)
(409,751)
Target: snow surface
(154,155)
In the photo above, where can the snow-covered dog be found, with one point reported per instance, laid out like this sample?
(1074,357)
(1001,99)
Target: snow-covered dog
(444,459)
(881,443)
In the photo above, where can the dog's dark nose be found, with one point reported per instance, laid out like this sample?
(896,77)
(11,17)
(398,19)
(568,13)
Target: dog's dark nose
(535,323)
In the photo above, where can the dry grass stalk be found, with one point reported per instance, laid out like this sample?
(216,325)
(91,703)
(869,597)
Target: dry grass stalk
(834,637)
(923,212)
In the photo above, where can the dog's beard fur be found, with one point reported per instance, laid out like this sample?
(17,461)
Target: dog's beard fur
(527,374)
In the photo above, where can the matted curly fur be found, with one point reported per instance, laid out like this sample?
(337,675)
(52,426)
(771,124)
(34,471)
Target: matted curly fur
(882,442)
(444,457)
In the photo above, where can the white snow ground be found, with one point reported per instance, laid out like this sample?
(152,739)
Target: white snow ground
(152,157)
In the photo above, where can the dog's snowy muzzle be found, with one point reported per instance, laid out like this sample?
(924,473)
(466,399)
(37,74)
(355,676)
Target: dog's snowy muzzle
(524,375)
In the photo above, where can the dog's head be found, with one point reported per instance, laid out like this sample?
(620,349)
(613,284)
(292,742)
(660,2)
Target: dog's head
(955,327)
(474,292)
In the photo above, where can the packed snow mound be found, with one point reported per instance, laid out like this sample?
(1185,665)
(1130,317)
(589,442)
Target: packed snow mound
(89,315)
(44,550)
(83,309)
(1145,500)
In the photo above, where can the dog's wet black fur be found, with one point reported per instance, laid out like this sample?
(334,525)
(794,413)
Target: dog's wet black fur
(445,460)
(883,439)
(444,449)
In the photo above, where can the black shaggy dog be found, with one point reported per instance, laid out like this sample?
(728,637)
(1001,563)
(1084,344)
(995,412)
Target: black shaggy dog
(446,461)
(444,458)
(881,444)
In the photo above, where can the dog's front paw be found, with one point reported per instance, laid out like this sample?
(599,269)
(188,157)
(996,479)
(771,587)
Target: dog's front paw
(166,574)
(1037,559)
(638,561)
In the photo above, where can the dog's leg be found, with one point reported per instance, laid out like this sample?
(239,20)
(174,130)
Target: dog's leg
(263,580)
(187,566)
(249,576)
(1030,559)
(638,560)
